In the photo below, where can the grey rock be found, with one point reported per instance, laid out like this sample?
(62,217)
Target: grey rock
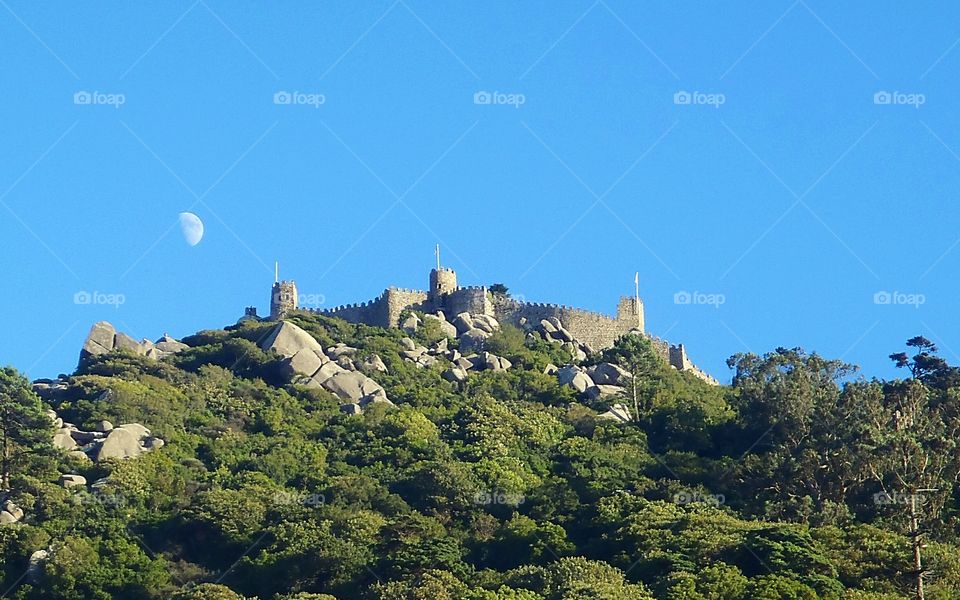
(618,412)
(609,374)
(374,363)
(347,385)
(574,377)
(79,454)
(153,443)
(455,374)
(448,329)
(171,346)
(426,360)
(13,509)
(122,341)
(463,322)
(550,369)
(413,354)
(63,439)
(7,519)
(411,324)
(70,480)
(306,362)
(121,443)
(35,566)
(341,349)
(286,339)
(485,323)
(327,371)
(491,362)
(138,430)
(99,340)
(473,340)
(103,426)
(351,408)
(374,399)
(547,327)
(408,344)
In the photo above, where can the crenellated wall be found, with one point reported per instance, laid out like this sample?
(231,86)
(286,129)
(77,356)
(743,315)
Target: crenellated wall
(595,329)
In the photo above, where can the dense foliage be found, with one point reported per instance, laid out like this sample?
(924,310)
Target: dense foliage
(797,481)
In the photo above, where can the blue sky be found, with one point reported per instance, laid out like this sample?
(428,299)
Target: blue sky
(787,201)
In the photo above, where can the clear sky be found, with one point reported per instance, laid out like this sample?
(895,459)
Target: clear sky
(783,197)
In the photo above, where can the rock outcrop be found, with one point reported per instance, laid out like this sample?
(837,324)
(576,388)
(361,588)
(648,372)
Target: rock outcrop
(331,369)
(103,338)
(128,440)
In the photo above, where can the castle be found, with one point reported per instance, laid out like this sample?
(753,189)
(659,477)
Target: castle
(597,330)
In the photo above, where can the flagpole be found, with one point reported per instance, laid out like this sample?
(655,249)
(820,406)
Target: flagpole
(636,307)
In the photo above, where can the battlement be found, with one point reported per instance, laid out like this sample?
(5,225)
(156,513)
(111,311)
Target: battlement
(596,329)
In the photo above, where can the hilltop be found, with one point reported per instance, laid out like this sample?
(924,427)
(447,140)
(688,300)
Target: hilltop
(458,456)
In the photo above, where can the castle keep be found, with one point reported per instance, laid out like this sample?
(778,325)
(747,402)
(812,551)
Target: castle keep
(597,330)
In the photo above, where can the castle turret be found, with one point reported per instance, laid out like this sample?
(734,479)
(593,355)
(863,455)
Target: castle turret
(630,310)
(442,281)
(283,299)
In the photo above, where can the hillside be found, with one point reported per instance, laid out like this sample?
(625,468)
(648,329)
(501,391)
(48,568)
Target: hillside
(319,459)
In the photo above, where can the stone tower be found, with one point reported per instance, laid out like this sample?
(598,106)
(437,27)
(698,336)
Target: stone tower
(442,281)
(630,311)
(282,299)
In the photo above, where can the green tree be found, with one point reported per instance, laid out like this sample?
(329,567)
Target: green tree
(636,355)
(24,426)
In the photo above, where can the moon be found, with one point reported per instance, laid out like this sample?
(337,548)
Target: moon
(191,227)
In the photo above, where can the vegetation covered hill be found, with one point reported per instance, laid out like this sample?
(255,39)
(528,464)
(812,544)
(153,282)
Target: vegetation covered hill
(798,481)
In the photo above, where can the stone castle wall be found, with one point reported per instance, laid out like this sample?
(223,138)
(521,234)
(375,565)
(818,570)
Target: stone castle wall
(474,300)
(597,330)
(399,300)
